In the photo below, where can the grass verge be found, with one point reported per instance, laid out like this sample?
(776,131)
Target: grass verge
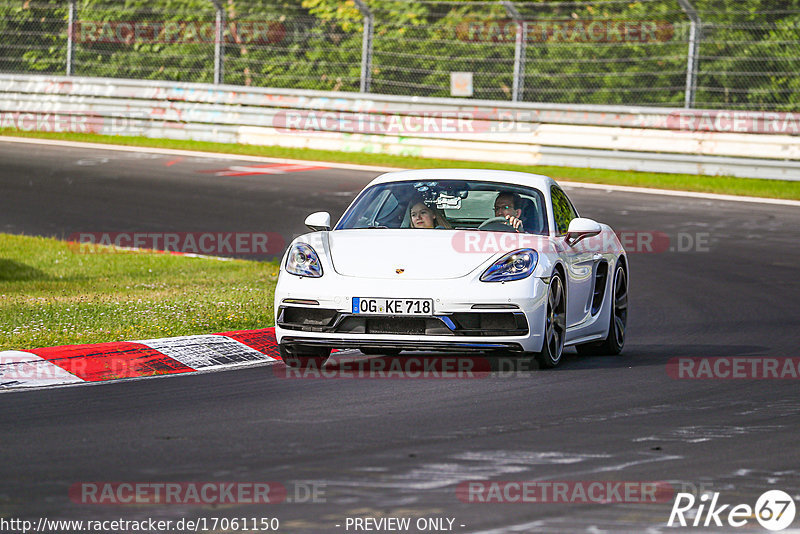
(684,182)
(52,295)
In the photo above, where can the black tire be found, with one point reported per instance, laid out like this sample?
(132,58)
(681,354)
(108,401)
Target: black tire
(555,324)
(304,357)
(618,321)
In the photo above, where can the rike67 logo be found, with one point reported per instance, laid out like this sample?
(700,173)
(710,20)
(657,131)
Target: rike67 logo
(774,510)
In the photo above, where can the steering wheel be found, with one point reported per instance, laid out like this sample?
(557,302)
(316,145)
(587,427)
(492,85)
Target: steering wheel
(496,223)
(491,220)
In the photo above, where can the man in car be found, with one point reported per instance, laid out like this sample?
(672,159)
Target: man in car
(508,205)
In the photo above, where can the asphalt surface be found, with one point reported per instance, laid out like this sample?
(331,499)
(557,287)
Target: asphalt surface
(63,191)
(399,448)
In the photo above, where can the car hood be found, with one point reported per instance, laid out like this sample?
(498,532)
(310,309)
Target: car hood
(421,254)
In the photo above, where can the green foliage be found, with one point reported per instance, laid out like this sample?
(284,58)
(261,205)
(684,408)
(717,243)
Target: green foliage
(747,57)
(34,36)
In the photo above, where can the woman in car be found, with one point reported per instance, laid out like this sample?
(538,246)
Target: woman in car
(423,216)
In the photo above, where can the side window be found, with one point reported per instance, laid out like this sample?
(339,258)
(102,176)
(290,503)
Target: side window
(389,211)
(533,213)
(370,212)
(562,210)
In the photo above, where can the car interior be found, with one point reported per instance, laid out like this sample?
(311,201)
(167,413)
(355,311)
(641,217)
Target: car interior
(466,206)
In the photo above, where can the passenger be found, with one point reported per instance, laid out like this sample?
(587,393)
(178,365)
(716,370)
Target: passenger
(423,216)
(508,205)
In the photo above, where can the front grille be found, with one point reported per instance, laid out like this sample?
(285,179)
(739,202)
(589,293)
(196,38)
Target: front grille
(366,324)
(490,324)
(456,324)
(395,325)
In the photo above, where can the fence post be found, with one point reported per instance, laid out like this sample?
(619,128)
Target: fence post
(518,86)
(219,41)
(695,31)
(366,47)
(70,37)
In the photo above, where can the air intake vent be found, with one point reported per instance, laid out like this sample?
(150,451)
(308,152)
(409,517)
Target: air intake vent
(599,286)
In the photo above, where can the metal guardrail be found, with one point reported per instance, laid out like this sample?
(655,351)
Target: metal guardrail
(623,138)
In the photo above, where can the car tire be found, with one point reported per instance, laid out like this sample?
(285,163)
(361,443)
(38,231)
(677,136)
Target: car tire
(555,324)
(304,357)
(618,321)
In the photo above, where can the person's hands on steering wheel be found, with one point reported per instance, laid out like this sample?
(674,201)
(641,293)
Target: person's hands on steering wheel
(508,220)
(515,222)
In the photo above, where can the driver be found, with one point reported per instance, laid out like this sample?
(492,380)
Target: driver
(508,205)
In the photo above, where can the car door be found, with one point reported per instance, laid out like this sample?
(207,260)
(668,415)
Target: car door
(579,261)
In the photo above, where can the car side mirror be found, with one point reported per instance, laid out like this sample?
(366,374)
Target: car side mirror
(319,221)
(580,228)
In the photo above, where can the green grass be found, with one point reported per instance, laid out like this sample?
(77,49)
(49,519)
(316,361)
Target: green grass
(51,294)
(685,182)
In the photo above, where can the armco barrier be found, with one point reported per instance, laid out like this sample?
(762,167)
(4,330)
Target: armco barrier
(746,144)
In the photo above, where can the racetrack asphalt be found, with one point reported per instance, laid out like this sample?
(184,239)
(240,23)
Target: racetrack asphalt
(383,448)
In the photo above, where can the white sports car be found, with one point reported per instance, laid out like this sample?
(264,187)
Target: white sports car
(453,260)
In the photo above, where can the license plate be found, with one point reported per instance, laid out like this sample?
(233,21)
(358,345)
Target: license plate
(369,306)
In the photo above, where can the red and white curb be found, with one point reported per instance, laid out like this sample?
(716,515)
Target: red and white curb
(72,364)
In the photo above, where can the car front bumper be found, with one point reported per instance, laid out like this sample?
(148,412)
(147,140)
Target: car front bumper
(468,315)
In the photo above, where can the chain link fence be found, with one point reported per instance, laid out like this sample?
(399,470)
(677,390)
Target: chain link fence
(693,53)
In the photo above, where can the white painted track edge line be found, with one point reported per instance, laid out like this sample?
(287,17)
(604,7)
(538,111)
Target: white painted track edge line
(194,153)
(676,193)
(353,166)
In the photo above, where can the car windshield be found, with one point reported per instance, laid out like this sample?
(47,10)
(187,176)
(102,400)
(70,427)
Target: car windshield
(451,204)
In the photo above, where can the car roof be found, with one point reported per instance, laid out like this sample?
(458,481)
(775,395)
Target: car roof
(538,181)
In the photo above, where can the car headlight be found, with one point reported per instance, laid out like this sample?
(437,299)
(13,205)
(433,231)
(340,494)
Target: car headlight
(303,261)
(513,266)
